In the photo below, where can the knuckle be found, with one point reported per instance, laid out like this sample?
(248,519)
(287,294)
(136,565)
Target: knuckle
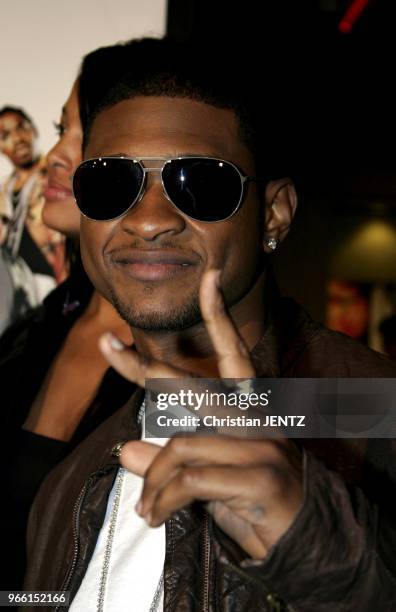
(178,446)
(219,309)
(266,451)
(149,479)
(143,359)
(235,347)
(276,451)
(281,482)
(190,477)
(270,478)
(272,452)
(242,348)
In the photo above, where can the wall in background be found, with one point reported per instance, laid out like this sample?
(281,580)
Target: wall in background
(330,239)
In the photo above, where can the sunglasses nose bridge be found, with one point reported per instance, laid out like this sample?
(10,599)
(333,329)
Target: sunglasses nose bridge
(147,183)
(149,178)
(149,174)
(154,169)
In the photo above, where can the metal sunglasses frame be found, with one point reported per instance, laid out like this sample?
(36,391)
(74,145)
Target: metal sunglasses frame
(244,181)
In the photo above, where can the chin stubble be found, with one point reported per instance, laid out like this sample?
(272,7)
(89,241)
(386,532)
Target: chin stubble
(174,319)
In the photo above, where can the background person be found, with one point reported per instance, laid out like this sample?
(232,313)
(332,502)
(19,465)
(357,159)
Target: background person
(70,390)
(25,239)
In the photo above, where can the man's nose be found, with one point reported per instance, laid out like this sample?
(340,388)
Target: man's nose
(19,136)
(153,216)
(20,131)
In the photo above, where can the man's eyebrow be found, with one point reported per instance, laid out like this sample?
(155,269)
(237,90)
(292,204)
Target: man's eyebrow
(194,154)
(100,155)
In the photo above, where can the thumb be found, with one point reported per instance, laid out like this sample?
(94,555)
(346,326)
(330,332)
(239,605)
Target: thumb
(137,456)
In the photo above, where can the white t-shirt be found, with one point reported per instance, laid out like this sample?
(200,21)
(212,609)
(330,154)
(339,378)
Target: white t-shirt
(136,561)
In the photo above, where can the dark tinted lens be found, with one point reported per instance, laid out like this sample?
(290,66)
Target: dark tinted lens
(204,189)
(105,188)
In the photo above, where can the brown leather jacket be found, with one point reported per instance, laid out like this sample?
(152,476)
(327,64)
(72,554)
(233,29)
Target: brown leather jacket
(340,552)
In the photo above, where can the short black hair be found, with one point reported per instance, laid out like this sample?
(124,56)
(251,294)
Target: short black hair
(99,72)
(17,111)
(164,67)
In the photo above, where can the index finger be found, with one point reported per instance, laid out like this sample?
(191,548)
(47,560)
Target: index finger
(232,353)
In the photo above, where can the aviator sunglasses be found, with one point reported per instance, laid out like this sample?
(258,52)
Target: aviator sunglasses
(203,188)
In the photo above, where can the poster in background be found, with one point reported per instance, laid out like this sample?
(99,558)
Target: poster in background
(41,46)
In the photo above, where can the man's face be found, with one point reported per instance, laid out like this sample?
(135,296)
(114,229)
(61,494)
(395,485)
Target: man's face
(17,137)
(149,262)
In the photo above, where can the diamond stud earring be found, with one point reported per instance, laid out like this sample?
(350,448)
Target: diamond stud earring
(272,243)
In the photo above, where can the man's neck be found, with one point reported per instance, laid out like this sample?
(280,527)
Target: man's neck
(191,349)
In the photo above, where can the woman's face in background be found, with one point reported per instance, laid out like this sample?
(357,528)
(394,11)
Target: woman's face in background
(60,211)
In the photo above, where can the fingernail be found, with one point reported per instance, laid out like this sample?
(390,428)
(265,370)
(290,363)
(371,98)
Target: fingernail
(147,518)
(139,507)
(114,342)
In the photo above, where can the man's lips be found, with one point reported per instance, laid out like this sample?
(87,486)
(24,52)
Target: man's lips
(21,149)
(57,191)
(151,265)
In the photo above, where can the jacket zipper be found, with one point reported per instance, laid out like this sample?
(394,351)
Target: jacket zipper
(273,603)
(76,535)
(206,559)
(271,599)
(275,606)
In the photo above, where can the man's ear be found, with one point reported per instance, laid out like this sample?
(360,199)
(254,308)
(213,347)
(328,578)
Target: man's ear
(280,206)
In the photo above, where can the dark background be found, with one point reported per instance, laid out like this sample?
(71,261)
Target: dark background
(336,117)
